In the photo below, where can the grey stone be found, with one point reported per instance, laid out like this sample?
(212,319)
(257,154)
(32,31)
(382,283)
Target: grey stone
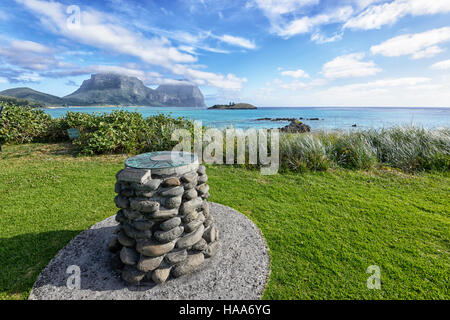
(191,217)
(190,177)
(164,214)
(189,206)
(191,263)
(132,214)
(125,240)
(132,275)
(133,175)
(147,264)
(190,194)
(231,274)
(217,234)
(151,248)
(193,225)
(145,194)
(191,238)
(170,224)
(129,256)
(176,171)
(201,170)
(127,192)
(202,179)
(161,275)
(142,224)
(211,250)
(206,196)
(144,205)
(171,182)
(205,208)
(209,221)
(117,187)
(120,216)
(172,192)
(176,256)
(167,236)
(210,234)
(173,202)
(148,185)
(201,245)
(202,189)
(114,245)
(190,185)
(121,202)
(135,233)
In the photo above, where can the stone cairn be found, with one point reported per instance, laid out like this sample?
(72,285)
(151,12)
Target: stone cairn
(166,229)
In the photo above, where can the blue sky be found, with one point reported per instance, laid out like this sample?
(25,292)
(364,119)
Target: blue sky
(266,52)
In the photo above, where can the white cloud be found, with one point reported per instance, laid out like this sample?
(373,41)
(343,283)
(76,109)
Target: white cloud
(295,74)
(320,38)
(103,31)
(385,84)
(28,55)
(376,16)
(350,65)
(274,8)
(29,46)
(442,65)
(307,24)
(3,80)
(237,41)
(419,45)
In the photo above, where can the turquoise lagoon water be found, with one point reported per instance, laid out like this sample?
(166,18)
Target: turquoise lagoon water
(330,117)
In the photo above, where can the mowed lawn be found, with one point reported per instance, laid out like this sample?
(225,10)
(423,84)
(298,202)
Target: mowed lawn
(323,229)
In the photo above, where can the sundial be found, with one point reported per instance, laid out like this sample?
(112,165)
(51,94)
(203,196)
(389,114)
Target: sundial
(161,160)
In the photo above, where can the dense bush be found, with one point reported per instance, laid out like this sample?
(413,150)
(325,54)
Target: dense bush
(115,132)
(23,125)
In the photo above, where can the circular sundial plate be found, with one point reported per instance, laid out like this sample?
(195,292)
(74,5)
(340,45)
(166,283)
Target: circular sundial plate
(161,160)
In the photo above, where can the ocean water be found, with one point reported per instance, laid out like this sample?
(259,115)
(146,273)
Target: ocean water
(330,117)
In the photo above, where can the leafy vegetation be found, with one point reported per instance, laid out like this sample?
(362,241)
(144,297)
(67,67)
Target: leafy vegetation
(410,149)
(323,228)
(115,132)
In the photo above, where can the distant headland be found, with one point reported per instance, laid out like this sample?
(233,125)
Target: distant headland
(233,106)
(115,89)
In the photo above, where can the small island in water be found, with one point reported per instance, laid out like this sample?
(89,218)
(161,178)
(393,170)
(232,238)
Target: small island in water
(233,106)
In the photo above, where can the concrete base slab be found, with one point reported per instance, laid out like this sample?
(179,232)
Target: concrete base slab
(239,271)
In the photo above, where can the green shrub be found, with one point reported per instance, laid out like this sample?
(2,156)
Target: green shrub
(23,125)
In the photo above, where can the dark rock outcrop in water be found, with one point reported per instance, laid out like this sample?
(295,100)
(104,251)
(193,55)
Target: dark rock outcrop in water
(115,89)
(233,106)
(296,127)
(286,119)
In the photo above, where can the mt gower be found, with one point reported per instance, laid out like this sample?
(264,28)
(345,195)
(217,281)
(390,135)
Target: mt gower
(115,89)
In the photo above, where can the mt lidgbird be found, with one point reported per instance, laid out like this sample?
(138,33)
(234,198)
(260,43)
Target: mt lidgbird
(115,89)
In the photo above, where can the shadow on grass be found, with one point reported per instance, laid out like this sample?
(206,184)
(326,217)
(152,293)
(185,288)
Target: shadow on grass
(23,257)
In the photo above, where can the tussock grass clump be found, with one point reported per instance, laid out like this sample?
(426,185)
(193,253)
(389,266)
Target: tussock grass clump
(411,148)
(407,148)
(303,151)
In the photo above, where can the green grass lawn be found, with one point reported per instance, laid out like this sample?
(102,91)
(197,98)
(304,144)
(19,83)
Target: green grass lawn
(323,229)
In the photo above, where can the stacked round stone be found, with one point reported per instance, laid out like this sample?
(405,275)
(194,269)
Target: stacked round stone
(166,228)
